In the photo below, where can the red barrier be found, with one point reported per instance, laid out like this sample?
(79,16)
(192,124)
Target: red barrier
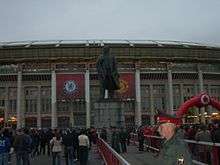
(216,155)
(110,156)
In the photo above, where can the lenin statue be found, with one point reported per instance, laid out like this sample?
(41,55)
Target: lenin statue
(107,73)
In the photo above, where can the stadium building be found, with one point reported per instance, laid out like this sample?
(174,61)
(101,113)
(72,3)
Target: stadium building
(55,83)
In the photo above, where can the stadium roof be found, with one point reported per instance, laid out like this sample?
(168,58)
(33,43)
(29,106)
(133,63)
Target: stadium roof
(57,43)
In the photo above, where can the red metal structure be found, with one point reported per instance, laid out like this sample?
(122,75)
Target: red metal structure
(200,100)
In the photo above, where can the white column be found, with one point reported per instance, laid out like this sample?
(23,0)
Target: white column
(53,101)
(6,105)
(152,111)
(209,108)
(181,94)
(209,89)
(18,107)
(170,91)
(71,114)
(201,89)
(138,121)
(201,85)
(87,98)
(39,108)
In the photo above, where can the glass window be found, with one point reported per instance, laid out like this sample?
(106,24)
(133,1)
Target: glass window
(63,106)
(79,119)
(12,106)
(63,122)
(188,91)
(2,103)
(31,95)
(26,105)
(145,98)
(176,96)
(45,105)
(215,91)
(95,92)
(129,106)
(2,92)
(12,92)
(159,97)
(45,99)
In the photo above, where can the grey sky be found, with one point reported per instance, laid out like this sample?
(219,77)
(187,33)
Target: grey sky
(184,20)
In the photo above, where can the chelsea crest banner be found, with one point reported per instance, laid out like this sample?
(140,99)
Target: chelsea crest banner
(70,86)
(127,86)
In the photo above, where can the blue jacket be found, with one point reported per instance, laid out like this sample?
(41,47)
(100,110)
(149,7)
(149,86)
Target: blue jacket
(4,144)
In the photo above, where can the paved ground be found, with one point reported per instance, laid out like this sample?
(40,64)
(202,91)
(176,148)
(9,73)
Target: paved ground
(94,159)
(135,157)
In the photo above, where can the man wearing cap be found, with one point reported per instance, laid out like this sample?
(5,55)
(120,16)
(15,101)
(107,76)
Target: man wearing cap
(174,150)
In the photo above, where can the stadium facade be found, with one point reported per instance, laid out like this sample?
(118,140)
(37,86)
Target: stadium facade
(55,83)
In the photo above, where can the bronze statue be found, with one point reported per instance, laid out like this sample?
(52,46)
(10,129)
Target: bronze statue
(107,73)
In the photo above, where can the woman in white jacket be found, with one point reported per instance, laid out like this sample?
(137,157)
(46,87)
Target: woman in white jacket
(56,148)
(83,147)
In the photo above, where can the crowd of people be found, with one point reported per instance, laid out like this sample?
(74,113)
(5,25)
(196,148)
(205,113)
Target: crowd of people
(74,144)
(25,144)
(210,133)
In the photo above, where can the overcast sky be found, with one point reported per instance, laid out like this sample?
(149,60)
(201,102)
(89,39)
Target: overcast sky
(184,20)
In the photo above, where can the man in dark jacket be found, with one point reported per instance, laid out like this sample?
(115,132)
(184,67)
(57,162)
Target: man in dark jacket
(141,139)
(22,146)
(115,141)
(68,142)
(123,140)
(216,134)
(49,136)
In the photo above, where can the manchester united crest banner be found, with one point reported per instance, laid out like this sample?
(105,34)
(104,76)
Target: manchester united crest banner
(127,86)
(70,86)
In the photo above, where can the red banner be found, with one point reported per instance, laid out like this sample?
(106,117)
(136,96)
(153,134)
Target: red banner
(70,86)
(127,86)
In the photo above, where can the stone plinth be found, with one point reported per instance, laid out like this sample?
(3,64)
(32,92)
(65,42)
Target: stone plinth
(108,112)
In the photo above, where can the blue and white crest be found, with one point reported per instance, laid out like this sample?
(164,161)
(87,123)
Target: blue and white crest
(70,87)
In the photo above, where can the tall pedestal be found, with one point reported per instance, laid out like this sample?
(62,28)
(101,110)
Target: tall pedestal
(109,112)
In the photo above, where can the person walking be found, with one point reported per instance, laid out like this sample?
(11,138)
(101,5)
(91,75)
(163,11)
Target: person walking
(49,136)
(115,142)
(35,143)
(174,149)
(141,138)
(68,142)
(83,148)
(123,140)
(43,142)
(216,134)
(56,148)
(22,147)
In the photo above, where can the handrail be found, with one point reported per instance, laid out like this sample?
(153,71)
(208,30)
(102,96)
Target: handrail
(202,142)
(199,163)
(186,140)
(156,137)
